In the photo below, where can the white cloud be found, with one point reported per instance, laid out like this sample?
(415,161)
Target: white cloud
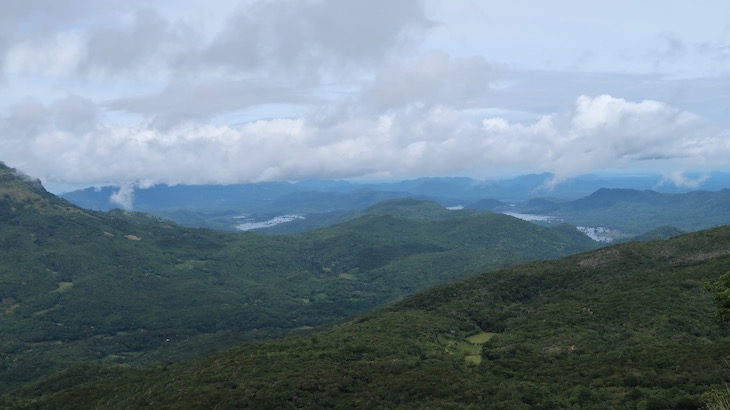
(433,78)
(596,133)
(57,55)
(182,92)
(75,113)
(124,197)
(184,101)
(680,180)
(308,36)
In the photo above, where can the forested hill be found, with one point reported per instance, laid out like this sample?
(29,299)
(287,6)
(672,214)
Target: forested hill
(625,327)
(128,289)
(636,212)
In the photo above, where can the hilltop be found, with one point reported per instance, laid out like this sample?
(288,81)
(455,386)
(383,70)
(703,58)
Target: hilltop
(127,288)
(629,326)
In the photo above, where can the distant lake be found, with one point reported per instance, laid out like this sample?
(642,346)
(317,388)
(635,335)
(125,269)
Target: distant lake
(532,217)
(249,226)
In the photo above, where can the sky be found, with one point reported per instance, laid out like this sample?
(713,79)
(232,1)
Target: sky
(138,93)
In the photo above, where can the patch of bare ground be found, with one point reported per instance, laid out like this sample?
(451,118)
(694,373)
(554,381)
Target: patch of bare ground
(703,256)
(600,258)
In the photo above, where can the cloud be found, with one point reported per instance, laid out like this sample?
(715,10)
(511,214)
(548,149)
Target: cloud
(75,113)
(673,49)
(432,79)
(596,133)
(678,179)
(185,101)
(25,119)
(123,197)
(289,89)
(44,36)
(29,118)
(606,131)
(139,44)
(307,39)
(55,55)
(302,36)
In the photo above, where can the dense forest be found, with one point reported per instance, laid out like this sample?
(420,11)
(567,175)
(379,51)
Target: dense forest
(629,326)
(123,288)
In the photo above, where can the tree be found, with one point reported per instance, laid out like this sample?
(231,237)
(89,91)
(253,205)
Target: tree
(722,295)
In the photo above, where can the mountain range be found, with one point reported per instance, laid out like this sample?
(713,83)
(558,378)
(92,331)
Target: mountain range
(123,288)
(406,304)
(588,201)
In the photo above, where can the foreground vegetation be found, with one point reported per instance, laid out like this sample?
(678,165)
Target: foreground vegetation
(630,326)
(124,289)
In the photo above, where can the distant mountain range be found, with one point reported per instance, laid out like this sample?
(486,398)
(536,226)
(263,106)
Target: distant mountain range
(625,206)
(328,196)
(635,212)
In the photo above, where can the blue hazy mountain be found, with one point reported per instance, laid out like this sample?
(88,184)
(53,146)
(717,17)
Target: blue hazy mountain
(260,196)
(324,202)
(634,211)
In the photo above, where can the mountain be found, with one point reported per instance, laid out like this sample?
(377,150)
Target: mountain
(624,327)
(635,212)
(317,200)
(664,232)
(129,289)
(486,205)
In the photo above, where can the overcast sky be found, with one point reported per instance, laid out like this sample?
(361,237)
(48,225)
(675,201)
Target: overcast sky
(134,92)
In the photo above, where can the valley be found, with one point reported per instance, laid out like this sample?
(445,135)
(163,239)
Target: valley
(126,288)
(405,303)
(285,208)
(328,204)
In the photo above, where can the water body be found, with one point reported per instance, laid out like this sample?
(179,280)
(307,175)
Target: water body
(532,217)
(249,226)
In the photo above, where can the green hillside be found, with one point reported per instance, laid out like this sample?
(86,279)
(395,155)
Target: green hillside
(636,212)
(125,288)
(629,326)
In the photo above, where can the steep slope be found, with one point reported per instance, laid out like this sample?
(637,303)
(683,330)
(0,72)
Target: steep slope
(126,288)
(629,326)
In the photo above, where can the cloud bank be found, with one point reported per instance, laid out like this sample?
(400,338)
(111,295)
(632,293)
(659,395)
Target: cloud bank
(421,139)
(282,89)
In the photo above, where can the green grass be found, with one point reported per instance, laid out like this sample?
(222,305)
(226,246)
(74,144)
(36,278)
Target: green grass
(64,286)
(480,338)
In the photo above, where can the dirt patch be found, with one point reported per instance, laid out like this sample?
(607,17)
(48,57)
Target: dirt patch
(63,286)
(699,257)
(600,258)
(133,237)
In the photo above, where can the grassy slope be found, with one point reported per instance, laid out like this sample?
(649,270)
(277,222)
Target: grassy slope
(122,288)
(629,326)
